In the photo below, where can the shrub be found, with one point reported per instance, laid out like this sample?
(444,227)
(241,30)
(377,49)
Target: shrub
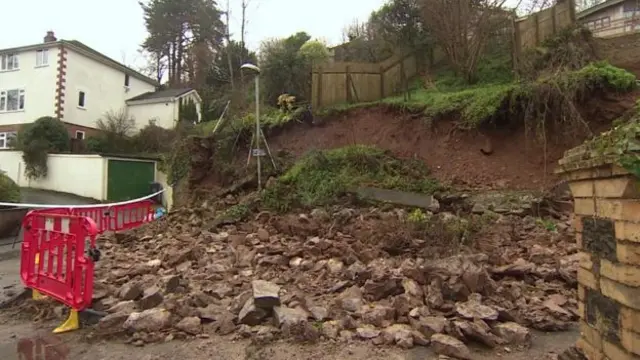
(9,190)
(45,135)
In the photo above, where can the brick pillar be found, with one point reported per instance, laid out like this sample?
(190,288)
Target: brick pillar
(607,222)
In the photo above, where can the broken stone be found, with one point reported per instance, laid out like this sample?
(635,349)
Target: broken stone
(123,307)
(151,298)
(335,266)
(331,329)
(478,331)
(265,294)
(351,299)
(450,346)
(399,334)
(113,321)
(130,291)
(263,234)
(148,320)
(367,332)
(430,325)
(250,314)
(288,316)
(319,313)
(475,310)
(171,283)
(379,315)
(190,325)
(412,288)
(383,288)
(513,333)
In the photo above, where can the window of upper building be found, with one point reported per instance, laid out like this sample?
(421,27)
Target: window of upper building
(9,62)
(12,100)
(81,99)
(42,57)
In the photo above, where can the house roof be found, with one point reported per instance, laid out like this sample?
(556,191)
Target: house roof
(162,94)
(87,51)
(599,7)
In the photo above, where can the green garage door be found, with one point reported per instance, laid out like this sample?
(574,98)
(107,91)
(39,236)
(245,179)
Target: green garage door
(128,179)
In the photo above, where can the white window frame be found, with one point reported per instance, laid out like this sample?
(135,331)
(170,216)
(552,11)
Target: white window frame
(5,137)
(42,57)
(4,100)
(9,62)
(82,133)
(84,99)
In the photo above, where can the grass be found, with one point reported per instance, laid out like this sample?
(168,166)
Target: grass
(322,177)
(478,104)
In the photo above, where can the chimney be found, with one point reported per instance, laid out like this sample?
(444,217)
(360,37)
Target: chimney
(50,37)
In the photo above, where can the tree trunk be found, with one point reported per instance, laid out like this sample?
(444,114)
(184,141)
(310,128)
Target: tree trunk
(229,62)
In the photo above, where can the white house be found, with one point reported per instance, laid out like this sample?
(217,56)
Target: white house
(78,85)
(611,18)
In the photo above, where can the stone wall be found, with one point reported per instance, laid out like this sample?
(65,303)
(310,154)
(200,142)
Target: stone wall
(607,222)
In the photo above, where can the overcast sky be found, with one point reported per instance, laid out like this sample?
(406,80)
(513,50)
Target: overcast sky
(116,27)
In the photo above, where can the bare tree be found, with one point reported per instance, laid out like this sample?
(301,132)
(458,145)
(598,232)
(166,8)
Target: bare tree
(243,32)
(462,28)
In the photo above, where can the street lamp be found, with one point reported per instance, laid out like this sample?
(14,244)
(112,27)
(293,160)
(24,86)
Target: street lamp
(256,151)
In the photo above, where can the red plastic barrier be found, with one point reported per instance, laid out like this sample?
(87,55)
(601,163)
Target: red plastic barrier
(111,218)
(55,257)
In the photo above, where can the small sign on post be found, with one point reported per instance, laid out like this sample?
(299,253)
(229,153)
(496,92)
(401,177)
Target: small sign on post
(258,152)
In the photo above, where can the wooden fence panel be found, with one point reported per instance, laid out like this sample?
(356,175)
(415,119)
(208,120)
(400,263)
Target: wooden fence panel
(349,82)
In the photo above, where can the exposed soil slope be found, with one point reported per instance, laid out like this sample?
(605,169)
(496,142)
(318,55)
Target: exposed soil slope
(517,162)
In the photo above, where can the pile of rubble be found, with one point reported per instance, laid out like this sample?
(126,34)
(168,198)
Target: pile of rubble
(333,276)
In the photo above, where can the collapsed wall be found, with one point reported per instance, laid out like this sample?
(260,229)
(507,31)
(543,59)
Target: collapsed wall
(607,222)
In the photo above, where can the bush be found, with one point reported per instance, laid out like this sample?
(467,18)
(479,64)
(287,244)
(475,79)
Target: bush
(45,135)
(321,177)
(9,190)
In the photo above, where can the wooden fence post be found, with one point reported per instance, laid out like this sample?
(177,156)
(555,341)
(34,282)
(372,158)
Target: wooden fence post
(319,97)
(348,85)
(381,82)
(536,21)
(554,19)
(517,46)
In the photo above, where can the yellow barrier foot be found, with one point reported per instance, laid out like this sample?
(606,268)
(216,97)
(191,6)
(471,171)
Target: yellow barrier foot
(35,295)
(72,323)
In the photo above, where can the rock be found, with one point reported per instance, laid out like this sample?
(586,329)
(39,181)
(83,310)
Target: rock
(113,321)
(251,314)
(379,315)
(478,331)
(171,283)
(412,288)
(434,207)
(319,313)
(513,333)
(320,214)
(190,325)
(123,307)
(475,310)
(335,266)
(450,346)
(331,329)
(288,316)
(375,290)
(367,332)
(130,291)
(265,294)
(149,320)
(430,325)
(519,268)
(399,334)
(351,299)
(263,234)
(151,298)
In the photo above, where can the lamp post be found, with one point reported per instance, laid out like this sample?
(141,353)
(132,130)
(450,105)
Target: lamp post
(256,151)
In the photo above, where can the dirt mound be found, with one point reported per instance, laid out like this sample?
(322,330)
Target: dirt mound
(370,274)
(516,160)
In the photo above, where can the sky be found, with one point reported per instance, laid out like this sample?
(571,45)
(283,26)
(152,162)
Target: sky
(116,27)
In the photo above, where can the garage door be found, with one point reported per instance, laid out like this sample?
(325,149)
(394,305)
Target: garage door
(128,179)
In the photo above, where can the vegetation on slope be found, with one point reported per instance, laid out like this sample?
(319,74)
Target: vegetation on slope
(9,190)
(322,177)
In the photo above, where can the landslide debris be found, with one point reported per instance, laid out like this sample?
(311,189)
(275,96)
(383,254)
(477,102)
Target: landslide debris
(346,274)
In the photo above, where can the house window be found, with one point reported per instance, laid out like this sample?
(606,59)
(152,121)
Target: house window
(81,99)
(9,62)
(606,22)
(5,139)
(11,100)
(126,80)
(79,135)
(42,57)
